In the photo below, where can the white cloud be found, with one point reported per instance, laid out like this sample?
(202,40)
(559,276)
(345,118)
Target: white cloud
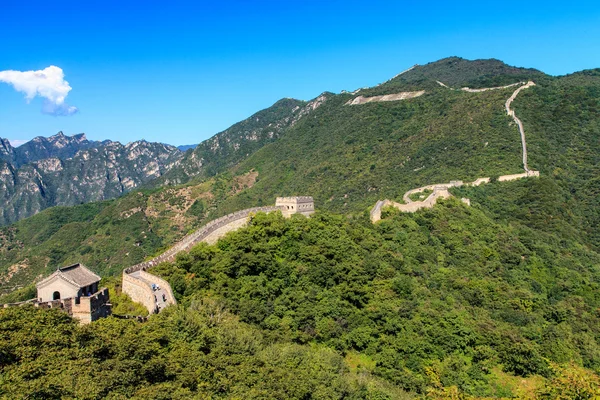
(48,83)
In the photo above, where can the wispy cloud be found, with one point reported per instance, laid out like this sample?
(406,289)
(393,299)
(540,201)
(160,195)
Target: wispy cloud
(48,83)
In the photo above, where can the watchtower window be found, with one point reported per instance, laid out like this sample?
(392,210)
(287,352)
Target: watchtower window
(56,296)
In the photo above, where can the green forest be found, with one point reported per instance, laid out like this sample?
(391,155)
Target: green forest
(440,303)
(497,300)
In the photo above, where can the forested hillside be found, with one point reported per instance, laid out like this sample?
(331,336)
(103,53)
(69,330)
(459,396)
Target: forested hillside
(436,303)
(227,148)
(499,299)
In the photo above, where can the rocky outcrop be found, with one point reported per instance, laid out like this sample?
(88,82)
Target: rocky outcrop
(39,148)
(386,97)
(90,174)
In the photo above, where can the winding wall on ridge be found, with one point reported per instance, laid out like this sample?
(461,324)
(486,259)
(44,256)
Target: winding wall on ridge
(140,288)
(441,190)
(221,226)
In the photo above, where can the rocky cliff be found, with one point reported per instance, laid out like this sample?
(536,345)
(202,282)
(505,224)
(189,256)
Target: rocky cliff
(39,148)
(63,170)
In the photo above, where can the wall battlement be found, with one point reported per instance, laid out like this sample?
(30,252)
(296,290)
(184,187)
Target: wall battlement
(84,308)
(304,205)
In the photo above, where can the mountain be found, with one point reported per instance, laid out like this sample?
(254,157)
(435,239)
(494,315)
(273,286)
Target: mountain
(39,148)
(499,299)
(227,148)
(350,156)
(186,147)
(64,170)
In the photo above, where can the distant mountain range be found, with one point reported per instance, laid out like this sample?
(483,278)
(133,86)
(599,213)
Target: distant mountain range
(39,148)
(67,170)
(186,147)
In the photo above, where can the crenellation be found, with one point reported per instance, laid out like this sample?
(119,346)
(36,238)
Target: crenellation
(86,309)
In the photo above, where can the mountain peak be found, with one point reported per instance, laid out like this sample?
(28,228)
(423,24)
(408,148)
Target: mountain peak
(60,134)
(458,72)
(6,149)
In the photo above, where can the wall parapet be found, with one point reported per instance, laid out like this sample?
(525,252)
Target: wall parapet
(84,308)
(190,240)
(163,284)
(139,292)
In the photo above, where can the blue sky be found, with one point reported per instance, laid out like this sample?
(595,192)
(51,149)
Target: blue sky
(180,71)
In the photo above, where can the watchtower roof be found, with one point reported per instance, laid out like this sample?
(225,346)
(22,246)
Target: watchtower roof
(75,274)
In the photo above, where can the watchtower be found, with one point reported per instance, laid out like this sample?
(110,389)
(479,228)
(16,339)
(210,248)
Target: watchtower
(304,205)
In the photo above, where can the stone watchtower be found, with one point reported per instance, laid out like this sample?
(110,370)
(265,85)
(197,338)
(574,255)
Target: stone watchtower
(304,205)
(75,290)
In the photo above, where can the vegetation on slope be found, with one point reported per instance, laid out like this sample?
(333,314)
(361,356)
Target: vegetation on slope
(202,351)
(445,291)
(500,299)
(111,235)
(227,148)
(443,302)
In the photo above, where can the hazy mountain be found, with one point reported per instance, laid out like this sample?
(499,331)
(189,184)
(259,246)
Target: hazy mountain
(63,170)
(186,147)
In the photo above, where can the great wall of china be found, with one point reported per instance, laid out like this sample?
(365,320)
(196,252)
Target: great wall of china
(140,285)
(155,293)
(441,191)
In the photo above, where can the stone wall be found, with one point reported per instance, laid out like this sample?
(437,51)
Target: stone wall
(528,174)
(439,191)
(85,308)
(218,233)
(91,308)
(376,211)
(163,284)
(139,292)
(189,241)
(139,289)
(304,205)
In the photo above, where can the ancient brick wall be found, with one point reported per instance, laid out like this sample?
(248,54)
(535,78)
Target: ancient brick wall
(163,284)
(139,292)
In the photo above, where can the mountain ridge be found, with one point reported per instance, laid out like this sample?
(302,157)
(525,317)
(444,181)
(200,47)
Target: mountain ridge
(63,170)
